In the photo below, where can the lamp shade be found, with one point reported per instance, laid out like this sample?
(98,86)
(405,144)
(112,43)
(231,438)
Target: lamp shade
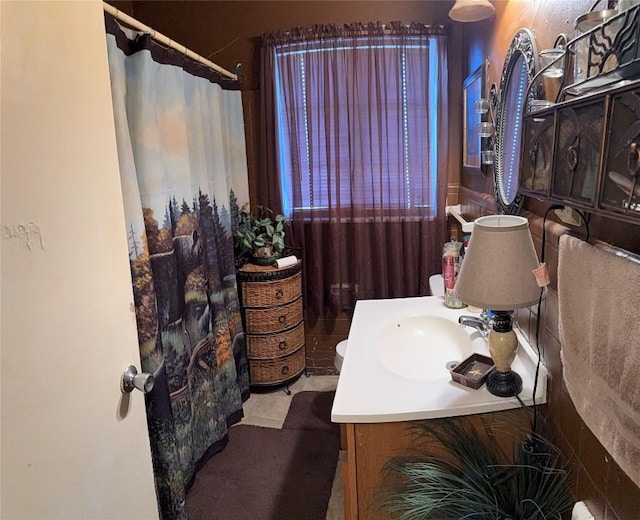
(496,272)
(471,10)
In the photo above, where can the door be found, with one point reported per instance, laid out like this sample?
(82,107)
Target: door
(72,445)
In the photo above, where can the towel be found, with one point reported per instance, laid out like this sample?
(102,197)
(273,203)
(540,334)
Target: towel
(598,302)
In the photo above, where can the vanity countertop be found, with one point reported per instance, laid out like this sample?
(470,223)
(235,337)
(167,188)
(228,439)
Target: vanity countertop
(374,387)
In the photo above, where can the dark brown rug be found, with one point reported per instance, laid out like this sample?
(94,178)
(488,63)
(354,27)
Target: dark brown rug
(269,474)
(311,411)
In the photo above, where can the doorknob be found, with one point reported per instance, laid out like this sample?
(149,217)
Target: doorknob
(131,379)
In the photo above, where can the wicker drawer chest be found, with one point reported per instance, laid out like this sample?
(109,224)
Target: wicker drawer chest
(271,301)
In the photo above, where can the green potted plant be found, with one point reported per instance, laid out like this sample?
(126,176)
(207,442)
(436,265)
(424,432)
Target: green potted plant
(259,237)
(470,477)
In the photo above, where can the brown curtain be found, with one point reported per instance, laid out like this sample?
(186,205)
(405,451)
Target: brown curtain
(354,151)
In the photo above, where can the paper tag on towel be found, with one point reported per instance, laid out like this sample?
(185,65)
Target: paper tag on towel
(286,261)
(542,275)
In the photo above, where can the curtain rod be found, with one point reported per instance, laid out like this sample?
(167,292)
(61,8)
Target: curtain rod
(123,17)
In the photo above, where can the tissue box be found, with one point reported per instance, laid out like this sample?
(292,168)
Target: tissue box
(473,371)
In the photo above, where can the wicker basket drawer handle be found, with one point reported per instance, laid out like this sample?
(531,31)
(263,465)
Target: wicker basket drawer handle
(279,293)
(282,345)
(284,370)
(282,319)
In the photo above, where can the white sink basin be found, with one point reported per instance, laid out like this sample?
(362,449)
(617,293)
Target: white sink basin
(396,367)
(423,348)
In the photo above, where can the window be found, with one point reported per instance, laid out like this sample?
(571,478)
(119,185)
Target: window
(357,123)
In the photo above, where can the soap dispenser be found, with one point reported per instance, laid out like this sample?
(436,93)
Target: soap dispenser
(450,268)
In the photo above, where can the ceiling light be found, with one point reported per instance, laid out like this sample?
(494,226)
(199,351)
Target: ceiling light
(471,10)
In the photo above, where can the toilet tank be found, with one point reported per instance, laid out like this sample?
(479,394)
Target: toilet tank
(436,285)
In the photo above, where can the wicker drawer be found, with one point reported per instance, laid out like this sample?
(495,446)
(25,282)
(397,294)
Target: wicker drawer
(272,316)
(276,319)
(275,345)
(268,294)
(269,372)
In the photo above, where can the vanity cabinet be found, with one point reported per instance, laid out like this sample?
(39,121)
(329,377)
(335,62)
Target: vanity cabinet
(585,153)
(371,445)
(271,302)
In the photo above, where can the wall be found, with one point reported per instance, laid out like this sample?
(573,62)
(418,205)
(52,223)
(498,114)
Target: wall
(598,480)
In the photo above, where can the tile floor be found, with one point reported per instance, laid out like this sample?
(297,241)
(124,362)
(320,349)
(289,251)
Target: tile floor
(268,408)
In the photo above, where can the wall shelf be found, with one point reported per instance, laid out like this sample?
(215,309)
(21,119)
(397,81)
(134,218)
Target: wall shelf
(585,153)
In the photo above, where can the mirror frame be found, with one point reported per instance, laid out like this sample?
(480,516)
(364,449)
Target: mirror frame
(522,46)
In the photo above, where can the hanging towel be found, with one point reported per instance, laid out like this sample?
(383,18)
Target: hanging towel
(599,300)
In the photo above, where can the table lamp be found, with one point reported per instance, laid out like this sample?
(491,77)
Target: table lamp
(497,274)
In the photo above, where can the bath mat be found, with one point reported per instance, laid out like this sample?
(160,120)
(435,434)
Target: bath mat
(599,331)
(311,411)
(267,474)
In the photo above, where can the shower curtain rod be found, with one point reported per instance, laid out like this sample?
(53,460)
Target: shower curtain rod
(123,17)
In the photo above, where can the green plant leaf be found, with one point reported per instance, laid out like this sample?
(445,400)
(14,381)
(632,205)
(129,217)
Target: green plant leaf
(476,480)
(259,230)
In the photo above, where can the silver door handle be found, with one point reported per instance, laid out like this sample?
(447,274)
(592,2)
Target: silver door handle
(131,379)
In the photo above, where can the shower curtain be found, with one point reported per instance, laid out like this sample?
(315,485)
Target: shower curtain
(180,138)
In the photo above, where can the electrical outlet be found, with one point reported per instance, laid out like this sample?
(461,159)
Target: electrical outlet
(569,216)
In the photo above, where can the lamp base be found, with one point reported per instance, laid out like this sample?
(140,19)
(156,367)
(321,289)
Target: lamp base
(504,384)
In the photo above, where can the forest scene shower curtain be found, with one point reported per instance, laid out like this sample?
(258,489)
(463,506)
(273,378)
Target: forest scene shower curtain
(181,151)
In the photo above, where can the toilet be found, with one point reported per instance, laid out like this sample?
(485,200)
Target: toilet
(436,285)
(341,350)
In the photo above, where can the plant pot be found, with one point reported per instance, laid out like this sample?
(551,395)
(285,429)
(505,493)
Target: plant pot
(262,252)
(265,260)
(264,255)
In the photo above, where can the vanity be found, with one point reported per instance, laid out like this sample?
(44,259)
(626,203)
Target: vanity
(396,372)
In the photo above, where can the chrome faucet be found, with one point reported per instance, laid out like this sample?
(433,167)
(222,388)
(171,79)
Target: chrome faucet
(483,323)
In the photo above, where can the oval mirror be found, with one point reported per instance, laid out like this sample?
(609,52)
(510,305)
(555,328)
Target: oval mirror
(517,73)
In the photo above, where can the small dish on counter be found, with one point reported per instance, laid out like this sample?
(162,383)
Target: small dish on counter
(473,371)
